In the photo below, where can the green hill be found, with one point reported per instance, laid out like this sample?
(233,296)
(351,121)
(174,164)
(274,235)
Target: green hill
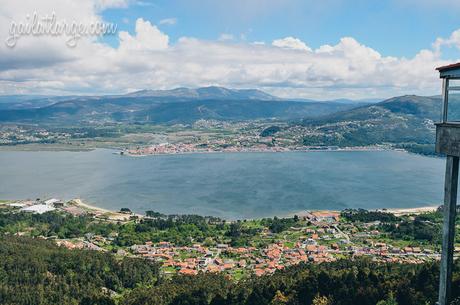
(405,119)
(167,110)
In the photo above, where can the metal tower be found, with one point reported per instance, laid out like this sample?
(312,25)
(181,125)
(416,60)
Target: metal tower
(448,143)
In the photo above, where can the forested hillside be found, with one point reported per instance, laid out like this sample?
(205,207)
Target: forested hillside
(407,121)
(34,271)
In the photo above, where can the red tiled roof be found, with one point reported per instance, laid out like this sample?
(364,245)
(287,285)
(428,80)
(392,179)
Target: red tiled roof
(188,272)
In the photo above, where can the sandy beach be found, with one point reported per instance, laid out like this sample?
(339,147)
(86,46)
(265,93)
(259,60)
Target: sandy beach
(406,211)
(114,215)
(80,203)
(395,211)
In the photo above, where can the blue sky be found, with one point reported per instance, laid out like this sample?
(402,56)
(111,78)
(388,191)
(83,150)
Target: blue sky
(291,48)
(394,28)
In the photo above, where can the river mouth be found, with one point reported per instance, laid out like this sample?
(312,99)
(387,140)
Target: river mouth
(227,185)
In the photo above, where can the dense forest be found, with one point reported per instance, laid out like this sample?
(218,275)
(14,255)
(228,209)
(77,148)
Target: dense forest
(36,271)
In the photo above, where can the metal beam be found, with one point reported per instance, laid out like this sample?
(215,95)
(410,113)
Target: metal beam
(445,98)
(452,74)
(448,232)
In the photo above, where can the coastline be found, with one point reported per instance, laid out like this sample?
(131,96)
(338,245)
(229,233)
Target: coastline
(102,212)
(406,211)
(394,211)
(117,150)
(78,202)
(77,206)
(47,147)
(281,150)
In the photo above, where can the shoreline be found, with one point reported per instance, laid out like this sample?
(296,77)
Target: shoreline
(111,214)
(80,203)
(125,152)
(406,211)
(284,150)
(394,211)
(120,216)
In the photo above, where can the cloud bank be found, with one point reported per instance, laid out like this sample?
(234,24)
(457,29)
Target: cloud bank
(147,59)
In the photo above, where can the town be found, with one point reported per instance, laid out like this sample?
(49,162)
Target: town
(235,248)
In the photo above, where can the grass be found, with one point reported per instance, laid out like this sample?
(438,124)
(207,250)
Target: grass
(238,274)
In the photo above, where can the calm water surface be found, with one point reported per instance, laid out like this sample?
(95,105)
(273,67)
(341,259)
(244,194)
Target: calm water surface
(229,185)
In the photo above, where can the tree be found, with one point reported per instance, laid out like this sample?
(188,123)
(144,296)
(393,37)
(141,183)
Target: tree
(279,299)
(235,229)
(153,214)
(321,300)
(389,301)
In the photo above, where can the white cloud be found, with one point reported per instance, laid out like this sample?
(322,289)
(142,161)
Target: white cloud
(452,40)
(291,43)
(147,59)
(168,21)
(104,4)
(148,37)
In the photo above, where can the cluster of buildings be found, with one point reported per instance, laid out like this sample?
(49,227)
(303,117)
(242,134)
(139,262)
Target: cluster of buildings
(74,207)
(322,241)
(80,244)
(224,258)
(318,237)
(12,135)
(38,206)
(215,146)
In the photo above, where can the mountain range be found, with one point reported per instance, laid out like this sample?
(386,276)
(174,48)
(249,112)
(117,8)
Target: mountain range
(181,105)
(207,93)
(403,119)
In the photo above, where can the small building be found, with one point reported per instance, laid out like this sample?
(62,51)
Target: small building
(54,202)
(323,216)
(38,209)
(17,204)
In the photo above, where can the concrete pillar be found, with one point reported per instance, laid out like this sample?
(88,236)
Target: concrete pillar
(448,232)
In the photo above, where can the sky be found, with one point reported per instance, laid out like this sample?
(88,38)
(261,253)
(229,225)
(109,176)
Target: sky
(326,49)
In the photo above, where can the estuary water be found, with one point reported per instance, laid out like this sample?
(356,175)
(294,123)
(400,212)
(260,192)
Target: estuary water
(228,185)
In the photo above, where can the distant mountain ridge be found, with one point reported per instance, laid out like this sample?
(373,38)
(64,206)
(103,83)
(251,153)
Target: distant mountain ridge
(181,105)
(403,120)
(205,93)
